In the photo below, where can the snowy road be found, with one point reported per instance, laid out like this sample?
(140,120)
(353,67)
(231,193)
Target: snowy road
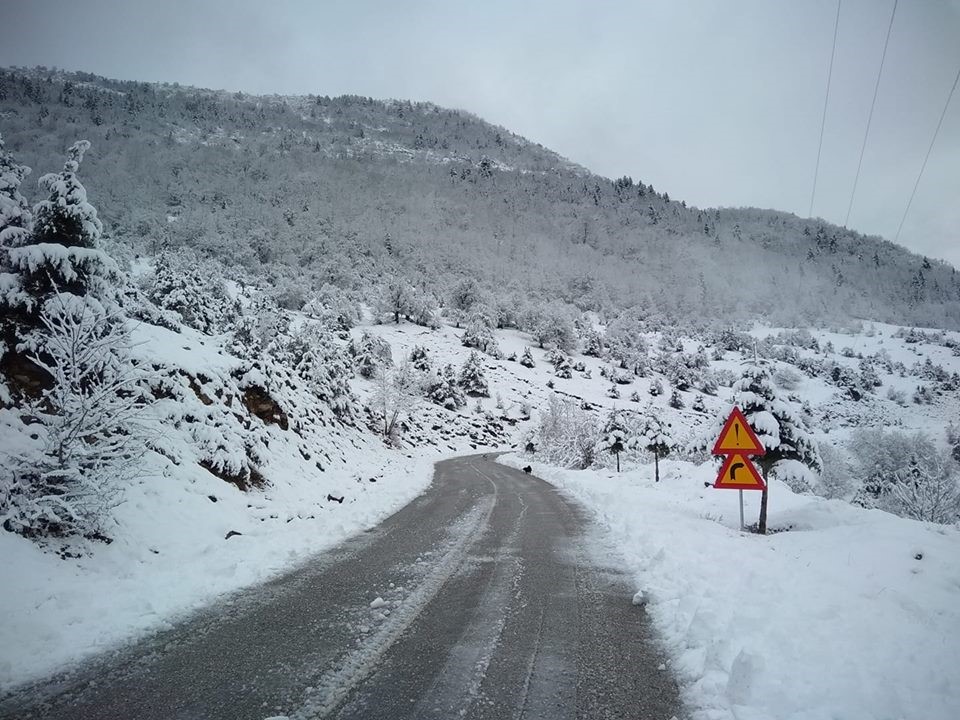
(480,599)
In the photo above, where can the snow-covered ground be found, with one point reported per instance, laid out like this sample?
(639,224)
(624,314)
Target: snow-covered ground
(834,619)
(848,614)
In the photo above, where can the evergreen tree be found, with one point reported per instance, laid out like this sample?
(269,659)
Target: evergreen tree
(654,437)
(527,358)
(194,291)
(420,359)
(63,254)
(444,389)
(472,378)
(781,430)
(676,402)
(15,215)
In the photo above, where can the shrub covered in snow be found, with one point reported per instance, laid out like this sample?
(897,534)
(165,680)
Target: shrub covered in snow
(567,434)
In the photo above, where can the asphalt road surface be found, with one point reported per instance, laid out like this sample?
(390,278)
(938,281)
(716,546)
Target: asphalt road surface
(483,598)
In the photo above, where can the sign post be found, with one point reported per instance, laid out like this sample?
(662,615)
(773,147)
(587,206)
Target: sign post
(737,441)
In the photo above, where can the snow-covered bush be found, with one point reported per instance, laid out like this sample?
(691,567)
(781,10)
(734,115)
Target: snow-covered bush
(478,334)
(527,358)
(567,434)
(369,354)
(193,289)
(836,478)
(905,474)
(319,359)
(88,424)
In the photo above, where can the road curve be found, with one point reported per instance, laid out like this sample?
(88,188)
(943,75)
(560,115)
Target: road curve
(480,599)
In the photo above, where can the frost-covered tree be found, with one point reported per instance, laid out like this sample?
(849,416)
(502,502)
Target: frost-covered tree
(552,326)
(472,378)
(656,387)
(654,436)
(478,334)
(88,424)
(396,298)
(675,401)
(527,358)
(566,435)
(790,451)
(444,389)
(396,392)
(614,435)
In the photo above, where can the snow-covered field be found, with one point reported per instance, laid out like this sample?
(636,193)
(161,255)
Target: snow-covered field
(848,614)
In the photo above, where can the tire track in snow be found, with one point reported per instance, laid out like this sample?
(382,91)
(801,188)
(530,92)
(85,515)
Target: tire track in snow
(334,686)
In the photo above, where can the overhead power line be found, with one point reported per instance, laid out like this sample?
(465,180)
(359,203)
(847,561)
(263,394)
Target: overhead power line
(823,120)
(870,116)
(929,149)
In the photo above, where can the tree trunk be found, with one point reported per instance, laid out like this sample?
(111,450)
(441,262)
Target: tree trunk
(762,524)
(618,462)
(656,466)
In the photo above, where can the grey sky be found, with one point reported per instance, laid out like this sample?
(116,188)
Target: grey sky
(718,103)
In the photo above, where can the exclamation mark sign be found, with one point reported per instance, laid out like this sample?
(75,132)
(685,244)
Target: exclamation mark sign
(736,429)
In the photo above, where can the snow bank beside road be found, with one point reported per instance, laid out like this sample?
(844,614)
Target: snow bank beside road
(171,556)
(851,615)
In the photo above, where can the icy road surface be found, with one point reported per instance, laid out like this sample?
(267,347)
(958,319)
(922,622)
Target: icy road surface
(483,598)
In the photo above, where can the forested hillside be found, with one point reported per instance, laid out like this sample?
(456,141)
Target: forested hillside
(360,195)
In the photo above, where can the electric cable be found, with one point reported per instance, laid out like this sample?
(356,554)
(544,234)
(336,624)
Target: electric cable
(826,99)
(927,157)
(870,116)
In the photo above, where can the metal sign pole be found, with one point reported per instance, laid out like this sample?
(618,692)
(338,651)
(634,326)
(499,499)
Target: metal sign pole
(741,510)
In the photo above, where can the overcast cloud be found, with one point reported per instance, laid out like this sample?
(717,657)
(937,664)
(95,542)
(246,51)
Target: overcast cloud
(718,103)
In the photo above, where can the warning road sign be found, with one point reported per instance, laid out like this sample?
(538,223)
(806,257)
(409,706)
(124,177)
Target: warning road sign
(738,473)
(737,437)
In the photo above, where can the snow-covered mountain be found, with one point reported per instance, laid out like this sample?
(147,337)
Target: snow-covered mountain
(344,189)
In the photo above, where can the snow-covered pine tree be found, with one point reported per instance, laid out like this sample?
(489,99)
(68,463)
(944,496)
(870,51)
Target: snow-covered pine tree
(194,290)
(444,390)
(790,451)
(326,367)
(675,401)
(654,437)
(613,435)
(63,253)
(15,221)
(420,359)
(15,215)
(472,379)
(527,358)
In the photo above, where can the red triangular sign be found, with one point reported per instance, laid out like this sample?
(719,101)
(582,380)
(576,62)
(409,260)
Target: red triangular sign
(737,437)
(738,473)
